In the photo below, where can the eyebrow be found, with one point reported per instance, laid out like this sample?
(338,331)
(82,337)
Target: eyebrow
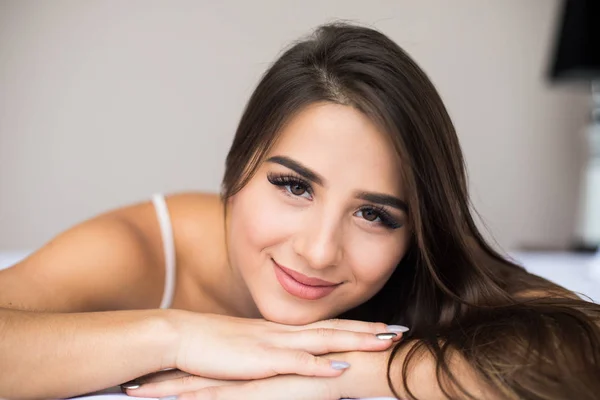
(383,199)
(298,168)
(307,173)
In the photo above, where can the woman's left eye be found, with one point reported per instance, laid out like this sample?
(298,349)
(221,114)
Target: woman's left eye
(369,214)
(375,216)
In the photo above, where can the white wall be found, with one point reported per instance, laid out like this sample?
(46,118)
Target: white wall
(104,102)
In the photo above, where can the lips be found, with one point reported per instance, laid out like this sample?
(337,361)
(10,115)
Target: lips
(305,280)
(302,286)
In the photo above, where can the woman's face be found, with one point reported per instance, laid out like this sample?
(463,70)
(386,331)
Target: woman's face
(322,225)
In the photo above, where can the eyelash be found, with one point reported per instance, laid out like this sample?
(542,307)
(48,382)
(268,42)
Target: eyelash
(288,180)
(386,219)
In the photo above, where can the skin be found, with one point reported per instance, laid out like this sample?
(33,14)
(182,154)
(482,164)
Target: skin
(224,268)
(324,234)
(218,333)
(321,229)
(318,226)
(366,378)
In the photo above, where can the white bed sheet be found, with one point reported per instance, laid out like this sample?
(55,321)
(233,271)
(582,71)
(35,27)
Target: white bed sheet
(123,396)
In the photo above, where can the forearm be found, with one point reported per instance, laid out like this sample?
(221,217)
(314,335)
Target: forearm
(51,355)
(368,376)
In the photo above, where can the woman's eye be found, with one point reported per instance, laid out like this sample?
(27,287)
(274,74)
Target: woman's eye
(292,185)
(297,189)
(369,214)
(378,217)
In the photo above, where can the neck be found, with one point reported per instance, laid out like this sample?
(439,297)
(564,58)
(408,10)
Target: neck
(229,287)
(237,296)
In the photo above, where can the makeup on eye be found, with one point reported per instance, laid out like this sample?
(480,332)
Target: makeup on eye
(298,168)
(291,184)
(306,175)
(380,213)
(295,186)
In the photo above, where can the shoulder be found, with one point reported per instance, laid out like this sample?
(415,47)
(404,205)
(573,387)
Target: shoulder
(111,261)
(198,223)
(102,263)
(194,213)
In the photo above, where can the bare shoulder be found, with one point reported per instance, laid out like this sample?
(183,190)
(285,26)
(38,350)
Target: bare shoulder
(194,216)
(198,222)
(194,213)
(112,261)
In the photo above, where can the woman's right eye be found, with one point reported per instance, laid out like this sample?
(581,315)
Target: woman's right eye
(292,185)
(296,189)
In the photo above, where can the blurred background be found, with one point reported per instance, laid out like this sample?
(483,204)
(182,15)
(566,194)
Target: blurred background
(105,102)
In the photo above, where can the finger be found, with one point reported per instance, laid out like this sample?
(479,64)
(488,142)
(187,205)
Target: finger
(284,361)
(187,383)
(277,388)
(324,340)
(354,326)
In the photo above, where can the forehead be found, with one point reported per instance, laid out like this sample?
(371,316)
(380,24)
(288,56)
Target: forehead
(342,144)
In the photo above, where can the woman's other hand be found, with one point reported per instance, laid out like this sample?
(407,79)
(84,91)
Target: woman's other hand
(290,387)
(366,377)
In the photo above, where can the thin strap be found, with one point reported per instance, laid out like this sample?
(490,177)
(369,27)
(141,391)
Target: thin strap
(166,230)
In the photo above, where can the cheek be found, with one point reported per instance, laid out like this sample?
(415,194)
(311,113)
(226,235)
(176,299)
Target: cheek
(374,261)
(258,218)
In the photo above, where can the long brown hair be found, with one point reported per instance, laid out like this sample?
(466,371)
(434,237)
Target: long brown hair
(458,295)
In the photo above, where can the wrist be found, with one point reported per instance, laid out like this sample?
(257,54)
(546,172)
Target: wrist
(366,377)
(164,337)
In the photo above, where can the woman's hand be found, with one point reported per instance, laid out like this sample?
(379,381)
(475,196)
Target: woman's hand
(228,348)
(366,378)
(290,387)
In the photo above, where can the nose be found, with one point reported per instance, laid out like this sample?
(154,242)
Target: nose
(319,241)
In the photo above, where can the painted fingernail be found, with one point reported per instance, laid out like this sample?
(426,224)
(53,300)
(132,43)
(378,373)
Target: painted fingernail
(397,328)
(131,385)
(386,336)
(168,398)
(339,365)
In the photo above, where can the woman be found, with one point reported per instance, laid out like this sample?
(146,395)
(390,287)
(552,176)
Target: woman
(344,196)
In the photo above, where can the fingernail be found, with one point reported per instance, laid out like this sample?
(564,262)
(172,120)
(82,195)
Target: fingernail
(339,365)
(386,336)
(397,328)
(168,398)
(131,385)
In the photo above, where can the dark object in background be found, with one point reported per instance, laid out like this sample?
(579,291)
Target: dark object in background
(577,51)
(577,59)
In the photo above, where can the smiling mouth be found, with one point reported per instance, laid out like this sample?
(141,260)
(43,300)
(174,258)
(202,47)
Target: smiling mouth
(302,286)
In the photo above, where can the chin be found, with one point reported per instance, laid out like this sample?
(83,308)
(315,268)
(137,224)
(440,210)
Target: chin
(289,315)
(290,319)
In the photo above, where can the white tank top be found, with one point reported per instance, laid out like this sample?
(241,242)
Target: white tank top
(166,231)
